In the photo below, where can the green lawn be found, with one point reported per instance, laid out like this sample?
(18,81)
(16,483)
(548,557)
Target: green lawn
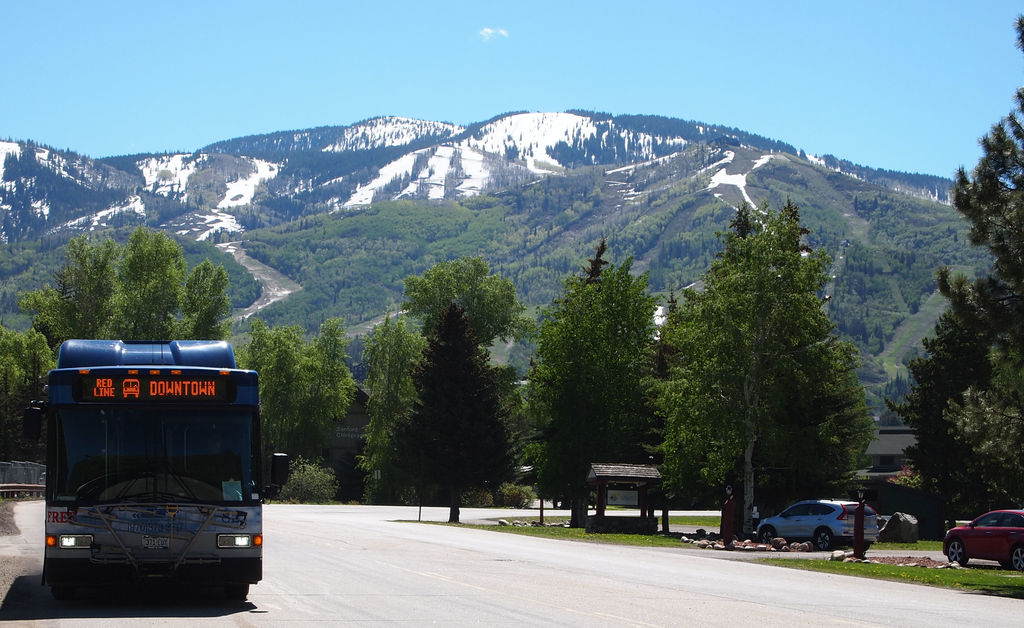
(711,523)
(922,546)
(988,581)
(578,534)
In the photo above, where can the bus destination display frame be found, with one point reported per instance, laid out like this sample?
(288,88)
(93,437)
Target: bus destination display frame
(148,386)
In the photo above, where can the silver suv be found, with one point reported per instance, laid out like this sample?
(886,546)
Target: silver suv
(825,522)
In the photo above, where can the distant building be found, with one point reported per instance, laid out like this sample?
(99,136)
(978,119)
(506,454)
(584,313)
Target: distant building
(346,443)
(888,450)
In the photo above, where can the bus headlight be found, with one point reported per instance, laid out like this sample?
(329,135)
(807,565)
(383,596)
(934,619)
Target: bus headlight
(225,541)
(74,541)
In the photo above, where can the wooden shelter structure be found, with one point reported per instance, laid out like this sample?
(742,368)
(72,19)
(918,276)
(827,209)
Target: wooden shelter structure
(625,485)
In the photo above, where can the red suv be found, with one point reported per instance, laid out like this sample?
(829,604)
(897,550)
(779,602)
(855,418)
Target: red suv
(996,535)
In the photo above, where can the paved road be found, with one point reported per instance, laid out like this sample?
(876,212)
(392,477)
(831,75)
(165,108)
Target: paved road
(356,564)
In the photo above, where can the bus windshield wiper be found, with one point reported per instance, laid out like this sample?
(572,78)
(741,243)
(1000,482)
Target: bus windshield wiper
(171,471)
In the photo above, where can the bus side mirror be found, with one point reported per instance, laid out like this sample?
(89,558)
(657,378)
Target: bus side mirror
(32,421)
(278,472)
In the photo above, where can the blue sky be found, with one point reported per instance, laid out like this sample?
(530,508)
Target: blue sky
(900,85)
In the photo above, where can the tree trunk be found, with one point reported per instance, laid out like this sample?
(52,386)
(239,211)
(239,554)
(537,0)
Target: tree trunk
(751,399)
(578,518)
(748,485)
(455,497)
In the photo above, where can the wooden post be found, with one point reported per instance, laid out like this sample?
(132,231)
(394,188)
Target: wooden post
(858,530)
(728,512)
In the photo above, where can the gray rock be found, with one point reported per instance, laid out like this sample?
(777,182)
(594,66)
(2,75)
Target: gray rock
(900,528)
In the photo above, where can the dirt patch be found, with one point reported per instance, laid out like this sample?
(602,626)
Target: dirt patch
(7,527)
(908,561)
(10,566)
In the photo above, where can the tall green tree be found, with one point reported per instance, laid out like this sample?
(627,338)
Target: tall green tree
(133,292)
(80,304)
(992,200)
(390,351)
(305,387)
(25,359)
(990,416)
(205,307)
(457,436)
(489,301)
(758,368)
(150,277)
(957,360)
(588,387)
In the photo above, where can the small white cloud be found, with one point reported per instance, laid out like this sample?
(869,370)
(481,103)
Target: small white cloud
(489,33)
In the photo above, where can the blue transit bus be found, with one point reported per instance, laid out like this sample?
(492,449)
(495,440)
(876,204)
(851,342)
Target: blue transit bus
(153,466)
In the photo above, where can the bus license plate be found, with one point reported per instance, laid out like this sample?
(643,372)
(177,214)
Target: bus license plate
(155,542)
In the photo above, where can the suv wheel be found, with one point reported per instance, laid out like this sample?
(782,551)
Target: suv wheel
(823,539)
(766,534)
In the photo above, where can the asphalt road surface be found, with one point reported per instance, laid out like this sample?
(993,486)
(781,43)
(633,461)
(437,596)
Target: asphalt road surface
(337,565)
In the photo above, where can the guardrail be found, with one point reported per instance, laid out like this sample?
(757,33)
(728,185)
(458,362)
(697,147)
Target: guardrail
(22,490)
(20,472)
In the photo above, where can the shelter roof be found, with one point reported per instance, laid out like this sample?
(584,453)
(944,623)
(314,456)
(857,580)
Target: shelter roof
(620,472)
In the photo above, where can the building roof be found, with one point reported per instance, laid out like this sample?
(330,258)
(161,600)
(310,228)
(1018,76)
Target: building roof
(891,441)
(620,472)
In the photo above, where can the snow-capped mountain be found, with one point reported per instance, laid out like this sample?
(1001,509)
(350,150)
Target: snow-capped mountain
(231,185)
(390,131)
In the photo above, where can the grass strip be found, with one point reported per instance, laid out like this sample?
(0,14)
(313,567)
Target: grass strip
(577,534)
(711,523)
(988,581)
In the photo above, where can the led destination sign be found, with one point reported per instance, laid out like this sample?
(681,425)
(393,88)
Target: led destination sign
(153,387)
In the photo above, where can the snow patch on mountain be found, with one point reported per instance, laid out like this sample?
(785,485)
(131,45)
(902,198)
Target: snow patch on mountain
(722,176)
(397,169)
(241,191)
(41,207)
(102,218)
(531,136)
(817,161)
(391,131)
(168,175)
(217,221)
(476,173)
(496,152)
(437,173)
(643,164)
(60,164)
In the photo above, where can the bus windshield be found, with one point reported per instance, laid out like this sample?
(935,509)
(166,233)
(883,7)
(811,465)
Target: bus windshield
(147,454)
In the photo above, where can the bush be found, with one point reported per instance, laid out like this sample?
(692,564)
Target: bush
(477,498)
(516,495)
(309,483)
(908,477)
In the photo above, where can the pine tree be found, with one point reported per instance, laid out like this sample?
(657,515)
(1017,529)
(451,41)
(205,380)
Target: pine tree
(457,436)
(957,360)
(991,416)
